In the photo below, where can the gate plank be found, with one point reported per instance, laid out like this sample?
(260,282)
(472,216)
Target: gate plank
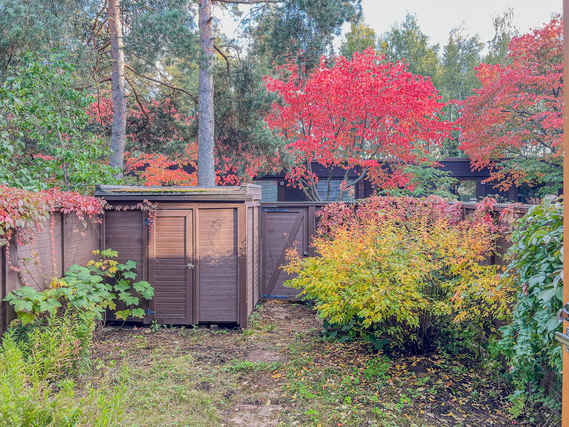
(282,258)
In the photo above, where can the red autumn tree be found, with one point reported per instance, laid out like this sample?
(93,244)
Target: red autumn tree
(514,123)
(362,114)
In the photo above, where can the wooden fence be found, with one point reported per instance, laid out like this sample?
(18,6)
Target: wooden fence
(287,224)
(63,241)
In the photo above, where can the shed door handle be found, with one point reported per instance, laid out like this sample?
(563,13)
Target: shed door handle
(190,266)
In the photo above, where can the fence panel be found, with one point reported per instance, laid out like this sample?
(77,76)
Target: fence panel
(284,225)
(63,241)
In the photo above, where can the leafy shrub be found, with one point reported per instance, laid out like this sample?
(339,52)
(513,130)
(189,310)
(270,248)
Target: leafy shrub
(84,290)
(537,269)
(403,269)
(43,359)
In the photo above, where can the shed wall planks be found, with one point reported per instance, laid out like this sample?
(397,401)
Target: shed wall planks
(250,265)
(281,230)
(79,241)
(257,255)
(124,233)
(218,271)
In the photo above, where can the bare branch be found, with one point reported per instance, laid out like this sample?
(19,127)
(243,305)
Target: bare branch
(137,98)
(225,56)
(107,44)
(236,48)
(162,83)
(108,79)
(96,22)
(125,24)
(358,179)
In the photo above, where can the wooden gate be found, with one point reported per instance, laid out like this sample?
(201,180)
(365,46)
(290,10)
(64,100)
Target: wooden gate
(284,225)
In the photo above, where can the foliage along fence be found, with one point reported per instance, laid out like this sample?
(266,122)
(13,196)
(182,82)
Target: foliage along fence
(64,240)
(503,243)
(286,224)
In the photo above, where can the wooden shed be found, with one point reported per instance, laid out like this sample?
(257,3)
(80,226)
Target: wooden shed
(201,252)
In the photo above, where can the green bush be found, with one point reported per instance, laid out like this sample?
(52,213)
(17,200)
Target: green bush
(537,269)
(43,129)
(57,347)
(44,360)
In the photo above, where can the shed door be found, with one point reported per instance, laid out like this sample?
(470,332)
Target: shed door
(171,267)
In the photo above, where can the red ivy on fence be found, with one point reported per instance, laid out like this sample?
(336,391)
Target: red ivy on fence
(25,211)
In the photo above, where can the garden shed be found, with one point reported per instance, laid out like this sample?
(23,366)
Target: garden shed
(199,247)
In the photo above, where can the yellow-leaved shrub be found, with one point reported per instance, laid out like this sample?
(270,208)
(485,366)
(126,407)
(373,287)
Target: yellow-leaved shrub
(405,270)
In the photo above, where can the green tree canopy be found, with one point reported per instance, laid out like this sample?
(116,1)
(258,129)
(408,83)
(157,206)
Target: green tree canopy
(359,38)
(42,130)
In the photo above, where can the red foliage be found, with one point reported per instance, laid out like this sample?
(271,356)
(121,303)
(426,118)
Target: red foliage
(376,207)
(25,211)
(242,163)
(518,112)
(156,128)
(159,169)
(359,112)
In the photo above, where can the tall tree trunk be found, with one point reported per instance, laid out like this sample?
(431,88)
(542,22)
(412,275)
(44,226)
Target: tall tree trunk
(206,164)
(118,134)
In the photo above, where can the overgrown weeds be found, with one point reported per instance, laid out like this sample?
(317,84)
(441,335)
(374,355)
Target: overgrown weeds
(40,381)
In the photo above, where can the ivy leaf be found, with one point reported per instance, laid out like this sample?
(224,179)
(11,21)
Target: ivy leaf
(128,298)
(21,305)
(129,275)
(122,286)
(138,312)
(26,318)
(122,314)
(141,286)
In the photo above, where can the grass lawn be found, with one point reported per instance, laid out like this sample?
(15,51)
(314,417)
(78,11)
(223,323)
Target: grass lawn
(280,372)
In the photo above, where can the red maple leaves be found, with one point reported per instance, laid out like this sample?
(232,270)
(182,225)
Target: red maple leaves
(24,211)
(518,112)
(359,112)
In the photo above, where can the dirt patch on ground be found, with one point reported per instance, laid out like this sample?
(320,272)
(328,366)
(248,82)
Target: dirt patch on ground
(282,372)
(255,415)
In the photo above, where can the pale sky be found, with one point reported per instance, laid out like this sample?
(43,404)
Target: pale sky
(437,17)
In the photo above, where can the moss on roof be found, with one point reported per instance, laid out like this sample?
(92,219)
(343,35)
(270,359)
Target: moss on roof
(157,190)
